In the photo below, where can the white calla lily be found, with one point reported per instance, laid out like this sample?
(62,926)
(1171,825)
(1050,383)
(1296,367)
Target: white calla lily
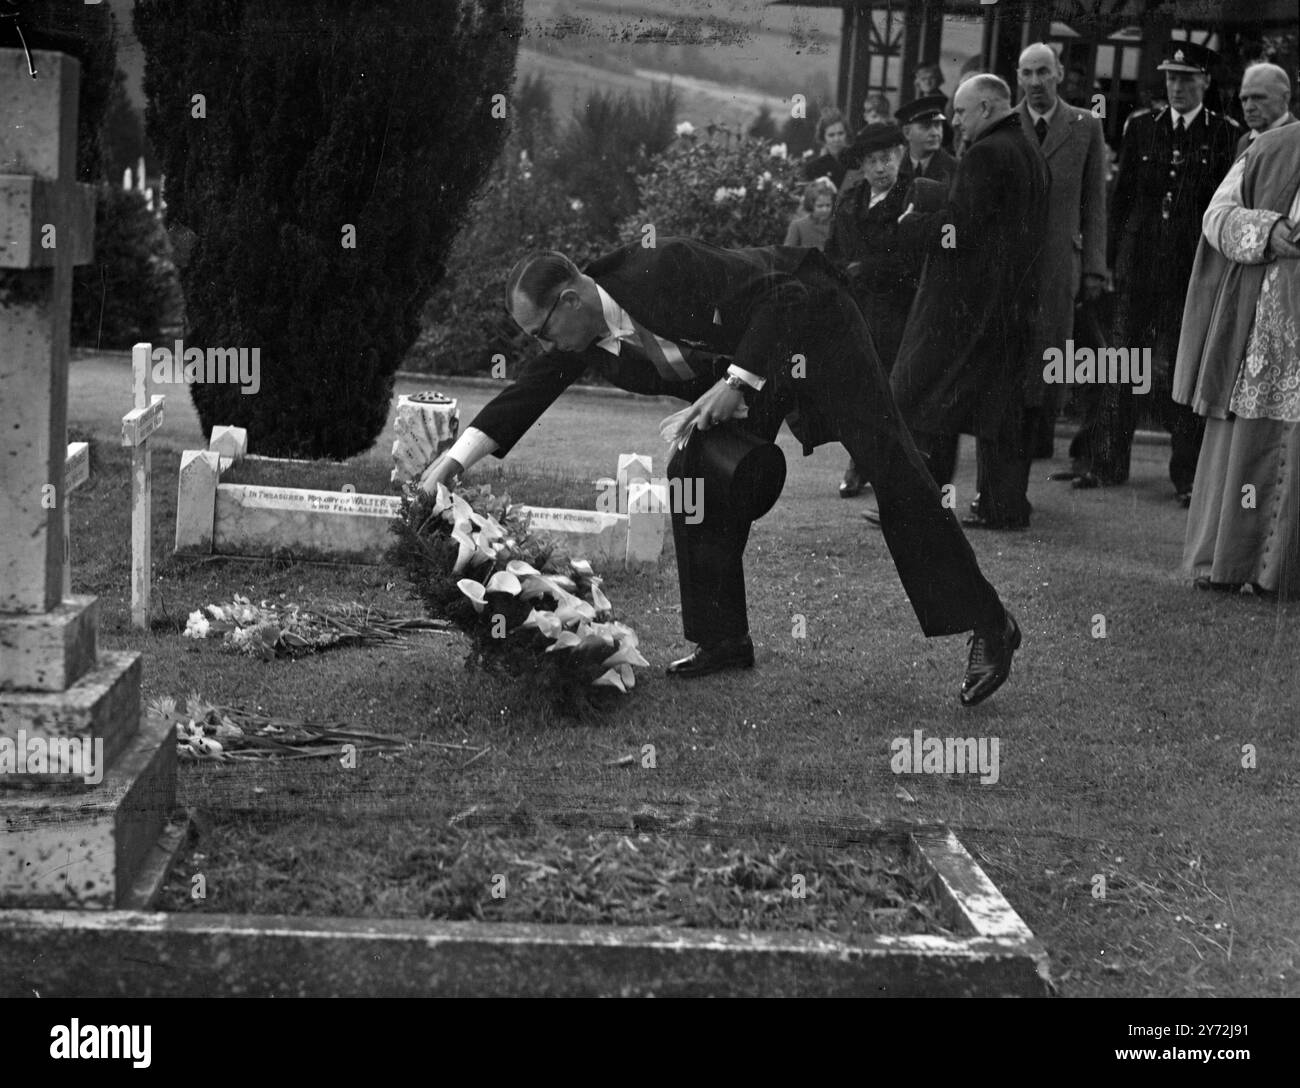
(441,498)
(565,640)
(629,677)
(574,609)
(466,553)
(474,591)
(582,566)
(609,679)
(598,599)
(624,655)
(503,582)
(520,569)
(545,622)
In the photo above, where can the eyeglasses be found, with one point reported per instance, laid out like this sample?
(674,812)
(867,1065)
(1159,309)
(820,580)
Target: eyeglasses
(541,329)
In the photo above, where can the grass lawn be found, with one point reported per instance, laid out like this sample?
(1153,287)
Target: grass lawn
(1120,757)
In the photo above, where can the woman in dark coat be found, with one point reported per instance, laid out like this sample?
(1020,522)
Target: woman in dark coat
(865,243)
(833,135)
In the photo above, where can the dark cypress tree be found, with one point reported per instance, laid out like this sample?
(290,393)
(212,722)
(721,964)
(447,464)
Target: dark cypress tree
(320,116)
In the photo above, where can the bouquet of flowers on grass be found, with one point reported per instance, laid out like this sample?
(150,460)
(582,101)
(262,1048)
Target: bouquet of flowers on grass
(473,561)
(270,629)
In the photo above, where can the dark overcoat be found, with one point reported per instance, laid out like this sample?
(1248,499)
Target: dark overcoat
(865,244)
(970,337)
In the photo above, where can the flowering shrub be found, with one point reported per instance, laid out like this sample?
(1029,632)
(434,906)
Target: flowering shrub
(720,187)
(473,561)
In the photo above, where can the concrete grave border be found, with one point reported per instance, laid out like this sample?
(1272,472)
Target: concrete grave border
(118,953)
(255,521)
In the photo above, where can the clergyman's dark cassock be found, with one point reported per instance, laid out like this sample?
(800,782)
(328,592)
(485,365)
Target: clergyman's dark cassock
(783,314)
(971,335)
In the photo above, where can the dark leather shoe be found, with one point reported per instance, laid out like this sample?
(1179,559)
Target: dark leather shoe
(990,661)
(852,484)
(1065,475)
(1086,481)
(1184,499)
(977,522)
(872,516)
(730,653)
(1202,581)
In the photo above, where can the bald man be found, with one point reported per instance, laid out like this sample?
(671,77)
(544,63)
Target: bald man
(1265,98)
(971,336)
(1074,252)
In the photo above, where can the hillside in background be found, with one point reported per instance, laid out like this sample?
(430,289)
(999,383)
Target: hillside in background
(725,60)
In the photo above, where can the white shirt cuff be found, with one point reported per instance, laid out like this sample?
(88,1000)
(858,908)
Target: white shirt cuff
(471,446)
(751,380)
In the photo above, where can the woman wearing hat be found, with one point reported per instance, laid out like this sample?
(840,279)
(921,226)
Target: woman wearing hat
(865,243)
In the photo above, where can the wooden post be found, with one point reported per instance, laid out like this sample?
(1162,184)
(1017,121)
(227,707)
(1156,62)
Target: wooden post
(137,425)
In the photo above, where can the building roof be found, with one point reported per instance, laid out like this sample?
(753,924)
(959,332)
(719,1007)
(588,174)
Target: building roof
(1257,13)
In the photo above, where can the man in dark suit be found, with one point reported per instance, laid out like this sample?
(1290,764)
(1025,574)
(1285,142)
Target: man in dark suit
(1074,254)
(1265,101)
(776,330)
(970,340)
(1170,163)
(922,122)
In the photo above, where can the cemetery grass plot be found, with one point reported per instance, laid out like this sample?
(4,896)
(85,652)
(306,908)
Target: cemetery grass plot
(807,734)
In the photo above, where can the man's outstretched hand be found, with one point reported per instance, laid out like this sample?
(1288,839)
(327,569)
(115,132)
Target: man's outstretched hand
(442,471)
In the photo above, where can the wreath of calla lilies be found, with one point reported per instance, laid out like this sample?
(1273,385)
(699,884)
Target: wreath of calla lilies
(529,612)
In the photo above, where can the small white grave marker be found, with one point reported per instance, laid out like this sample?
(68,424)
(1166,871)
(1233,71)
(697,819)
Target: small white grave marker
(137,425)
(76,471)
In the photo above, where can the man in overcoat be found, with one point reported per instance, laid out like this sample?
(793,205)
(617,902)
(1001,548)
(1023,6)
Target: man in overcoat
(970,338)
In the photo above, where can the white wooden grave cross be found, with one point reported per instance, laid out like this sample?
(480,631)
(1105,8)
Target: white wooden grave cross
(137,425)
(76,472)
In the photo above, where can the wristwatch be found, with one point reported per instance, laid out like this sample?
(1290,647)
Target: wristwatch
(734,381)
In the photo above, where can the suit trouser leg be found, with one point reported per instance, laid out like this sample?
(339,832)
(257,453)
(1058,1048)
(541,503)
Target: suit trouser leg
(710,556)
(1004,471)
(940,454)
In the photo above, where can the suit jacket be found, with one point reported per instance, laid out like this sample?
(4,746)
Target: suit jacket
(1076,214)
(1161,193)
(718,305)
(970,335)
(1288,118)
(942,167)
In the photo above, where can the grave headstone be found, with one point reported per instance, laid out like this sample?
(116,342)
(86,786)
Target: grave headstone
(75,710)
(424,425)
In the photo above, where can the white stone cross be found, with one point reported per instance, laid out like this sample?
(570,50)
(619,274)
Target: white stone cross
(137,425)
(47,225)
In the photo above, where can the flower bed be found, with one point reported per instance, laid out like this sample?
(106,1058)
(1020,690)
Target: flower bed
(543,873)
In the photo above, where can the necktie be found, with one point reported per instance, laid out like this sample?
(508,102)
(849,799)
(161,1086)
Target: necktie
(1041,128)
(666,356)
(1179,127)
